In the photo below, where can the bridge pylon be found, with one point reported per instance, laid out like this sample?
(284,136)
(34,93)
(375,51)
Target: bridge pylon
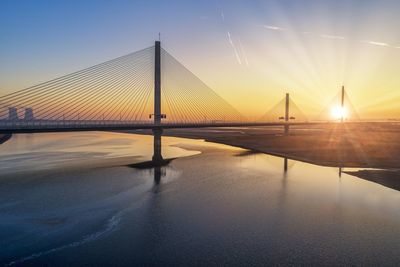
(287,114)
(157,132)
(342,105)
(157,83)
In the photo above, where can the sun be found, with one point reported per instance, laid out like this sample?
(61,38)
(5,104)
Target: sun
(339,113)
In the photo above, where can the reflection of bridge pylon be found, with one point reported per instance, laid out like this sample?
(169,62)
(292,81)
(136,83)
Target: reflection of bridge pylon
(285,165)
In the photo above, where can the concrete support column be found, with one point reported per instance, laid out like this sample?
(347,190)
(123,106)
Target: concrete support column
(157,156)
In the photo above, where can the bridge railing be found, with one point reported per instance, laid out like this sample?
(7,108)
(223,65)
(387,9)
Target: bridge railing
(63,124)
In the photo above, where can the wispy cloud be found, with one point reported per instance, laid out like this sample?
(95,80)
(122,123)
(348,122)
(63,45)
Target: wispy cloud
(327,36)
(234,49)
(376,43)
(273,28)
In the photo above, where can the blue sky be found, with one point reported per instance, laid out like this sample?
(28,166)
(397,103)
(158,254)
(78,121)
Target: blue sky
(248,43)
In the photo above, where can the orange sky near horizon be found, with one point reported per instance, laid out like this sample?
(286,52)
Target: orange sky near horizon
(250,52)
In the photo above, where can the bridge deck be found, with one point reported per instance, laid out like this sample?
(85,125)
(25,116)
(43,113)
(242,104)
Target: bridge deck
(41,127)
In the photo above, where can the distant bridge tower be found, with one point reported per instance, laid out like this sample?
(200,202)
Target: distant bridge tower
(342,106)
(287,114)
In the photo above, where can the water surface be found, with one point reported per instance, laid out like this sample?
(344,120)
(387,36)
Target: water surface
(70,200)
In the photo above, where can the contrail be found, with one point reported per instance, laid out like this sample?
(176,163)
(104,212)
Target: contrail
(243,52)
(234,48)
(230,39)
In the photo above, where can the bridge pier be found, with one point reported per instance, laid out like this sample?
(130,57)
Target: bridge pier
(157,155)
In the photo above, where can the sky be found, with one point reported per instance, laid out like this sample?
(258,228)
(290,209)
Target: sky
(250,52)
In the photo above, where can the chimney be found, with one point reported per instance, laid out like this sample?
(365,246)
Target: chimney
(29,114)
(12,114)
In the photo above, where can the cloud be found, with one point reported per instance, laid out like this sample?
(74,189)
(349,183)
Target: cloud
(274,28)
(327,36)
(376,43)
(234,49)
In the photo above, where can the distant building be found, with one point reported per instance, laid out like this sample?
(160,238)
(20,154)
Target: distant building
(29,114)
(12,114)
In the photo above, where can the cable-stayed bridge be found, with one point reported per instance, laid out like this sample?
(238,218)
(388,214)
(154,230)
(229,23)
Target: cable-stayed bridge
(147,89)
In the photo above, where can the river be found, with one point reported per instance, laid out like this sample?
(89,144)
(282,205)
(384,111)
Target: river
(73,199)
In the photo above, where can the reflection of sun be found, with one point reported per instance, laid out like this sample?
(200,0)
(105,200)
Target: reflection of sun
(338,113)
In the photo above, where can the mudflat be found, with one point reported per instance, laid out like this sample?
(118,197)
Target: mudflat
(373,145)
(357,145)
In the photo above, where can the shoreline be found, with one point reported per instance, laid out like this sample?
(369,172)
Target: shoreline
(382,170)
(373,148)
(281,155)
(4,138)
(386,178)
(92,162)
